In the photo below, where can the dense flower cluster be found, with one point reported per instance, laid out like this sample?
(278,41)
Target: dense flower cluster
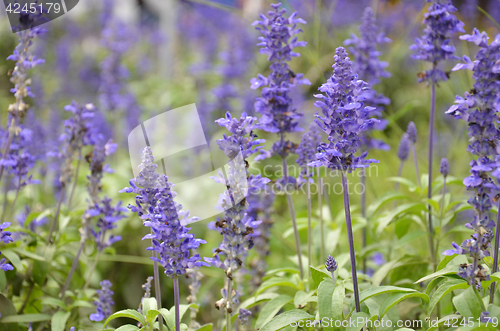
(275,104)
(237,227)
(344,117)
(307,153)
(156,207)
(411,130)
(479,109)
(5,237)
(104,303)
(444,167)
(331,264)
(434,46)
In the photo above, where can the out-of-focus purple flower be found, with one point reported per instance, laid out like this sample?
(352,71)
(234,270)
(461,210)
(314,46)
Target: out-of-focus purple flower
(5,237)
(275,104)
(344,117)
(404,147)
(117,38)
(244,316)
(378,258)
(485,317)
(34,224)
(469,10)
(444,167)
(107,216)
(307,153)
(411,130)
(479,109)
(435,45)
(104,303)
(155,205)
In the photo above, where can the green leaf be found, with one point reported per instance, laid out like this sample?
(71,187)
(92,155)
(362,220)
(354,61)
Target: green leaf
(59,320)
(3,280)
(274,282)
(446,287)
(468,303)
(285,319)
(409,238)
(7,309)
(396,298)
(448,270)
(375,206)
(129,313)
(128,327)
(338,303)
(325,300)
(302,298)
(53,302)
(382,272)
(374,291)
(384,221)
(40,272)
(151,315)
(272,308)
(25,318)
(206,327)
(182,310)
(255,300)
(148,304)
(411,185)
(318,275)
(14,259)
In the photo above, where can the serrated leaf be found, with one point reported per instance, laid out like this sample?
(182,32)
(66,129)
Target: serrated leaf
(271,309)
(285,319)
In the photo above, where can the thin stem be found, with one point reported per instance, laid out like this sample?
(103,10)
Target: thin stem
(92,269)
(73,268)
(176,303)
(442,200)
(400,172)
(309,228)
(495,253)
(27,299)
(9,142)
(228,304)
(56,216)
(76,178)
(291,210)
(320,215)
(363,213)
(416,164)
(347,210)
(327,199)
(429,186)
(156,275)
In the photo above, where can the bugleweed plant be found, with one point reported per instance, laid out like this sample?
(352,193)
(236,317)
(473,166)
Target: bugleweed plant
(322,216)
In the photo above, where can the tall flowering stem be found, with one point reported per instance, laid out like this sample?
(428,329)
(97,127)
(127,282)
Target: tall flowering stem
(370,68)
(412,134)
(238,227)
(275,104)
(306,152)
(104,303)
(444,169)
(434,47)
(172,244)
(25,60)
(479,109)
(343,117)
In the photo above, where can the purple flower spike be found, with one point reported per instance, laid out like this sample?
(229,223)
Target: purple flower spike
(444,167)
(331,264)
(479,109)
(435,45)
(156,207)
(411,130)
(275,104)
(5,237)
(344,117)
(104,303)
